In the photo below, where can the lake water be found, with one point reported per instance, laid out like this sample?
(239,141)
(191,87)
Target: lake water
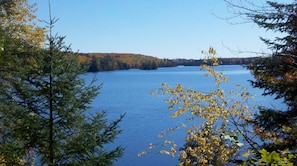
(147,115)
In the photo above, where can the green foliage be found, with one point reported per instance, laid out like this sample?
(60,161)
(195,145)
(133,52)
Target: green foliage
(107,62)
(149,65)
(277,75)
(13,43)
(43,108)
(120,61)
(274,158)
(94,67)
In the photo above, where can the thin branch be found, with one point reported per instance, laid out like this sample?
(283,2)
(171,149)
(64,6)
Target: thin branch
(246,52)
(243,9)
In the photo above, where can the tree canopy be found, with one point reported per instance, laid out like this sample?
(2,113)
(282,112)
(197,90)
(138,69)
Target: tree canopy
(44,101)
(276,74)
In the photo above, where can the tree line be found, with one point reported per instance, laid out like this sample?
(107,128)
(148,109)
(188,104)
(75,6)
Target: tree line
(120,61)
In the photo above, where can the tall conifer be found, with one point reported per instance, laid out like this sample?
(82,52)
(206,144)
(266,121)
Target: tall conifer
(276,74)
(44,107)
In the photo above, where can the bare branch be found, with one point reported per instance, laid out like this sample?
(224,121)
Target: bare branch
(238,51)
(243,10)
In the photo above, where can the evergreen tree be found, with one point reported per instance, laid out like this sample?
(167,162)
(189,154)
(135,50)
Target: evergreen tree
(276,74)
(43,108)
(18,34)
(94,65)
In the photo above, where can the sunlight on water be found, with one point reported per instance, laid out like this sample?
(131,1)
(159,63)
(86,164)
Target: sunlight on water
(147,115)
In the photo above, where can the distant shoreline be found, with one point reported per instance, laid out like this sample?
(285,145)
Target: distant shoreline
(122,61)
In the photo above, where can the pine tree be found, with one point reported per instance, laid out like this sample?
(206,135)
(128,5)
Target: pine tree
(94,65)
(18,34)
(12,148)
(276,74)
(44,107)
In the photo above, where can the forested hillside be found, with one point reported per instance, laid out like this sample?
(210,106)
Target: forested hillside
(123,61)
(116,61)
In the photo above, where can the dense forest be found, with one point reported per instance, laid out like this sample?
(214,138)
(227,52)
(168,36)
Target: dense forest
(122,61)
(116,61)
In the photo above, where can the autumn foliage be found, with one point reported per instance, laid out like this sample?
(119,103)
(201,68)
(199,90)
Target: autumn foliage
(221,131)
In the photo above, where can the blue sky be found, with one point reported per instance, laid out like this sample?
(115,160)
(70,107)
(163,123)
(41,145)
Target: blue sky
(160,28)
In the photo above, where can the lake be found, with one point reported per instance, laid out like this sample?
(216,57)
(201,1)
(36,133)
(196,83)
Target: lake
(128,91)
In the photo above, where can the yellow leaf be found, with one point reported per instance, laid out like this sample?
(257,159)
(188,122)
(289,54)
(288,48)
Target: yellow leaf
(151,146)
(141,153)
